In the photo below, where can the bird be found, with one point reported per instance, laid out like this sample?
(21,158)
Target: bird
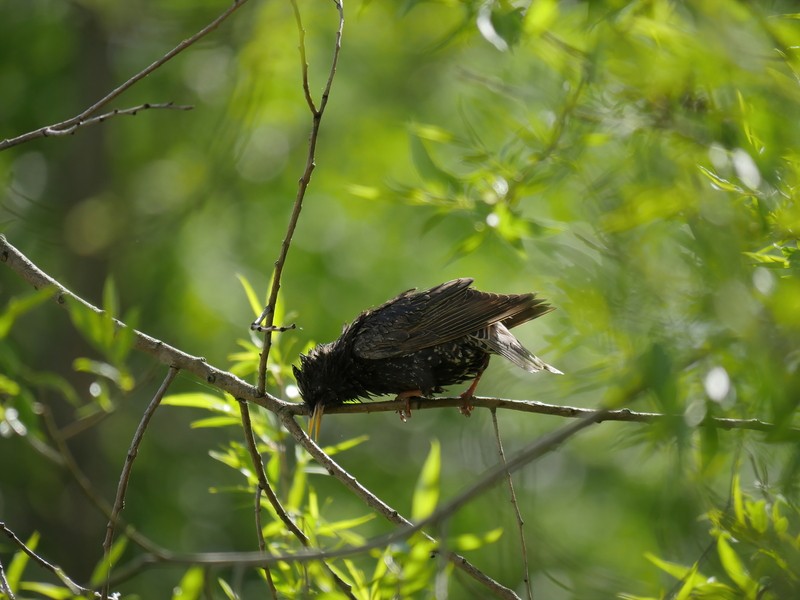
(416,344)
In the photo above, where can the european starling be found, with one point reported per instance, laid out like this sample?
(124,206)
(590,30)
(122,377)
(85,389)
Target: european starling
(416,344)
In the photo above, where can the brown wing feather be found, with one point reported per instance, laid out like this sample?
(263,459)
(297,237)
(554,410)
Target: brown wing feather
(413,321)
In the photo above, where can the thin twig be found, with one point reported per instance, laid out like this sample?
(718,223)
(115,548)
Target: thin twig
(49,129)
(305,179)
(5,588)
(56,570)
(273,592)
(55,131)
(520,522)
(124,478)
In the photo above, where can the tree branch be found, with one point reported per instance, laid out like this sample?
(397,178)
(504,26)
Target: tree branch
(542,408)
(56,570)
(81,119)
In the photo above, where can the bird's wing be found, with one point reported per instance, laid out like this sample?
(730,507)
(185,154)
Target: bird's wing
(416,320)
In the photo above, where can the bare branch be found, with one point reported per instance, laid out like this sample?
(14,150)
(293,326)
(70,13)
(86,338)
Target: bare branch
(520,522)
(162,352)
(305,179)
(56,570)
(556,410)
(5,588)
(59,130)
(124,477)
(49,130)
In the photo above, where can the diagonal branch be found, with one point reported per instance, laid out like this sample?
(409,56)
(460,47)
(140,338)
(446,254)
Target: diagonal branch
(61,130)
(55,569)
(163,353)
(49,130)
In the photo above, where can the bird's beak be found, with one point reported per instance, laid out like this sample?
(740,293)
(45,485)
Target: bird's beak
(315,422)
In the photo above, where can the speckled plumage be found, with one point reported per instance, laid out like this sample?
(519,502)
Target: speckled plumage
(417,344)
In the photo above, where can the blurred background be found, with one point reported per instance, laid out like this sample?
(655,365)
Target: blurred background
(635,163)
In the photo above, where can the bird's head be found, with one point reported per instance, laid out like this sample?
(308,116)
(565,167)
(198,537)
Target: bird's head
(316,380)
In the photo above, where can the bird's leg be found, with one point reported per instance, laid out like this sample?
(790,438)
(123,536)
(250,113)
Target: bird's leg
(466,408)
(405,413)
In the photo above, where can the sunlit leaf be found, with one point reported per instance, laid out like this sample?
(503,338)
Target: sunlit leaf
(102,568)
(227,589)
(190,586)
(735,568)
(16,307)
(199,400)
(47,590)
(250,293)
(426,492)
(19,561)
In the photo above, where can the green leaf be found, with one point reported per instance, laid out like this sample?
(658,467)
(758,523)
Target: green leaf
(735,568)
(48,590)
(677,571)
(738,501)
(8,386)
(540,15)
(345,445)
(191,585)
(211,422)
(199,400)
(120,377)
(757,515)
(17,565)
(471,541)
(344,525)
(16,307)
(227,589)
(426,492)
(250,293)
(427,167)
(101,570)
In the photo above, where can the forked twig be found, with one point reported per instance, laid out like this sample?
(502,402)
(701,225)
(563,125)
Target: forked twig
(316,120)
(515,504)
(86,114)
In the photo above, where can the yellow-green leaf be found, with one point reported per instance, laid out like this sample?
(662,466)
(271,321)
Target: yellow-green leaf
(426,492)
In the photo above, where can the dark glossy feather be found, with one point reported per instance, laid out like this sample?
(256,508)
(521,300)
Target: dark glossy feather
(414,321)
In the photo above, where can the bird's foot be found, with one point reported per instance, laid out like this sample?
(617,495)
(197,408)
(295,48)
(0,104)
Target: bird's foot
(405,413)
(466,408)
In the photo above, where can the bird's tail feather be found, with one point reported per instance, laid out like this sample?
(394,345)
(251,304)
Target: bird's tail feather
(500,340)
